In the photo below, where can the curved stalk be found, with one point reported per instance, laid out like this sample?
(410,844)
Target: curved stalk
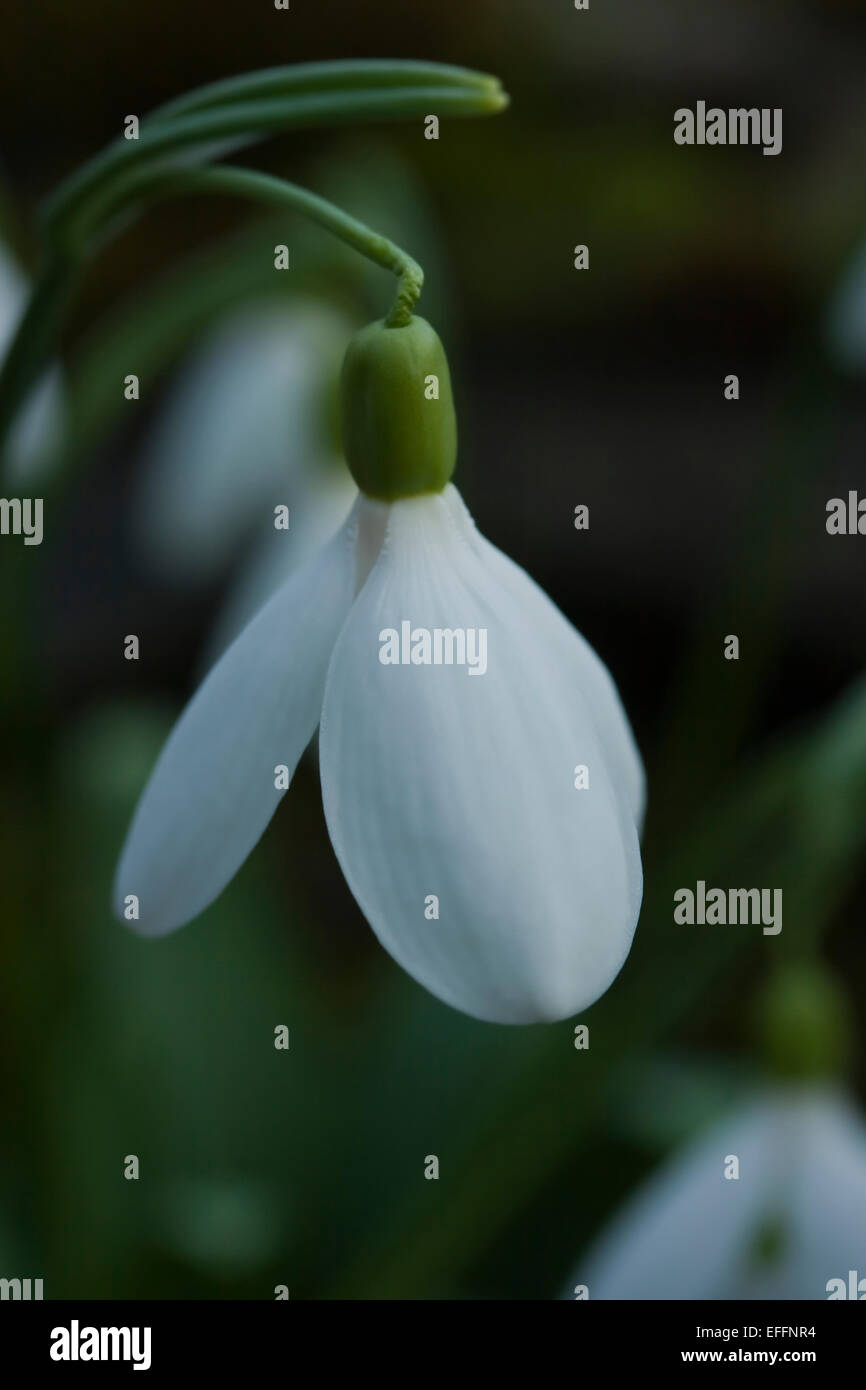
(248,183)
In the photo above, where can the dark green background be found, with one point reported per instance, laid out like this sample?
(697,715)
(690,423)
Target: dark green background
(306,1168)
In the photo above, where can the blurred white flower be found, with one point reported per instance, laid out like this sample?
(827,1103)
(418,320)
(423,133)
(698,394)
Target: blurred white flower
(436,786)
(242,433)
(36,430)
(792,1221)
(846,316)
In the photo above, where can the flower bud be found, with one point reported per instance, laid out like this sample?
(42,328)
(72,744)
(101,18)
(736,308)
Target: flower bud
(399,427)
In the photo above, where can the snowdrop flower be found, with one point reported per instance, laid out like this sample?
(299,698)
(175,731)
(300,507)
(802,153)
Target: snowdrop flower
(242,433)
(36,429)
(788,1227)
(455,703)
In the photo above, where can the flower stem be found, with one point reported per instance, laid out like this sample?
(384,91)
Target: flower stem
(152,185)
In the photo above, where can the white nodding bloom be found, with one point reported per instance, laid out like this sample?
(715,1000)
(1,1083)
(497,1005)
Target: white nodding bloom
(790,1224)
(434,783)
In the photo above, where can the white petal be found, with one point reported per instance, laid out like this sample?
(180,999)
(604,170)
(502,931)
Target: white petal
(440,782)
(321,500)
(591,676)
(686,1234)
(212,792)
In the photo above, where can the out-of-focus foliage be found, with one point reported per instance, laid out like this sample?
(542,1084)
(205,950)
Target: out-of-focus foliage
(262,1167)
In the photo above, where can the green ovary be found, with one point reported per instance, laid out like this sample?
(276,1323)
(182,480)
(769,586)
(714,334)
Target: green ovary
(399,427)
